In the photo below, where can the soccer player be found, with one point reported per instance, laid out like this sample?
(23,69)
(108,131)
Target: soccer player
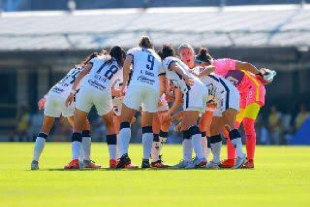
(194,101)
(54,106)
(144,90)
(252,93)
(95,90)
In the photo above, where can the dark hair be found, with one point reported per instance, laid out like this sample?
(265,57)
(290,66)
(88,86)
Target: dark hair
(118,54)
(145,42)
(166,51)
(203,56)
(87,59)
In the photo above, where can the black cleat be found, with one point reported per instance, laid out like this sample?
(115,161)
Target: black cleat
(124,161)
(145,163)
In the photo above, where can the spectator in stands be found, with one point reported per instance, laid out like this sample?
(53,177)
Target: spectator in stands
(23,122)
(274,125)
(302,115)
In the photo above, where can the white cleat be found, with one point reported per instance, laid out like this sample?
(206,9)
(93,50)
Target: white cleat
(181,164)
(34,165)
(197,163)
(240,161)
(212,165)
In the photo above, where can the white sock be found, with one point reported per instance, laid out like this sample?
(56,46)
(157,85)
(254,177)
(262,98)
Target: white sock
(237,143)
(208,151)
(155,151)
(86,147)
(124,139)
(112,151)
(147,140)
(216,151)
(162,141)
(187,149)
(118,150)
(204,146)
(196,142)
(38,148)
(76,148)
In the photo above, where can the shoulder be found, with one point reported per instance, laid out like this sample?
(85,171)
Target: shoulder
(133,50)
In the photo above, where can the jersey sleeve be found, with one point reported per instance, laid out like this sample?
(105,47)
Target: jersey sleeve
(167,63)
(224,65)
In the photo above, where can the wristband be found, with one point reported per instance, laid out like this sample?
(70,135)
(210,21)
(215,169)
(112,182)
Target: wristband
(73,91)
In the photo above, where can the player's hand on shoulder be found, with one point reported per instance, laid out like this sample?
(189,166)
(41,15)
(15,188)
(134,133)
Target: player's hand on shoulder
(70,99)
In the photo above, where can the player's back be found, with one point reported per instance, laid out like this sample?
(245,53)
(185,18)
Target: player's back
(146,66)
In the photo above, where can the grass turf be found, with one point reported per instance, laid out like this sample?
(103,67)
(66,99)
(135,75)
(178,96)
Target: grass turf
(281,177)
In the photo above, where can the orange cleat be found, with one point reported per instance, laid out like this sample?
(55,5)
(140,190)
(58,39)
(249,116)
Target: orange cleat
(131,165)
(90,164)
(228,163)
(113,163)
(74,164)
(248,165)
(159,164)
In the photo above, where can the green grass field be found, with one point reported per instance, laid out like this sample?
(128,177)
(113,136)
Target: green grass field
(281,178)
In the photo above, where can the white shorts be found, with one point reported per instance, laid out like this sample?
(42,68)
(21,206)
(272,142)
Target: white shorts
(56,106)
(146,97)
(229,99)
(87,97)
(196,98)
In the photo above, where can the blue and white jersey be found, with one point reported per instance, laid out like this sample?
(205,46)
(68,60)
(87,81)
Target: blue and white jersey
(173,76)
(145,67)
(103,73)
(63,87)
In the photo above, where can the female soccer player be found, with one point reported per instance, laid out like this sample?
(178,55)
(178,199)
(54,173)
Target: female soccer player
(54,106)
(143,90)
(95,90)
(194,100)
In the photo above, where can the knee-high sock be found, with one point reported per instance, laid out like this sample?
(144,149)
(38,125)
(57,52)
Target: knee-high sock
(196,141)
(155,148)
(250,134)
(39,146)
(204,144)
(236,141)
(76,144)
(216,144)
(111,141)
(162,139)
(86,144)
(124,137)
(147,140)
(187,146)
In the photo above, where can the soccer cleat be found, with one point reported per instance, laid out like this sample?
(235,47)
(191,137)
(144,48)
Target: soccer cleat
(34,165)
(196,163)
(124,161)
(239,162)
(74,164)
(212,165)
(181,164)
(228,163)
(90,164)
(159,164)
(248,165)
(113,163)
(145,163)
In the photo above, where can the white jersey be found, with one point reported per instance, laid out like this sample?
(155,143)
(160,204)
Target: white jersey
(146,67)
(63,87)
(173,76)
(102,75)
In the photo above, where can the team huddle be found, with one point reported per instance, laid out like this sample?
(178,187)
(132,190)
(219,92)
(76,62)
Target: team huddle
(216,95)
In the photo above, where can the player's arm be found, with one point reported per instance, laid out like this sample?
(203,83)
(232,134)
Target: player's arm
(174,67)
(126,70)
(162,84)
(207,71)
(76,83)
(247,67)
(177,102)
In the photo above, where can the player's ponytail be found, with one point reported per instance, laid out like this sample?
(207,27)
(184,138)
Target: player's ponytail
(87,59)
(145,42)
(118,54)
(203,56)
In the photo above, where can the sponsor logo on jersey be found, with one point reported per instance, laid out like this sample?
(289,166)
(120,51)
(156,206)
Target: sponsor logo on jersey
(96,85)
(146,80)
(58,90)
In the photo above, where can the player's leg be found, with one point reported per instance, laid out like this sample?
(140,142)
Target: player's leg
(215,140)
(204,127)
(229,117)
(51,110)
(156,141)
(251,114)
(189,128)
